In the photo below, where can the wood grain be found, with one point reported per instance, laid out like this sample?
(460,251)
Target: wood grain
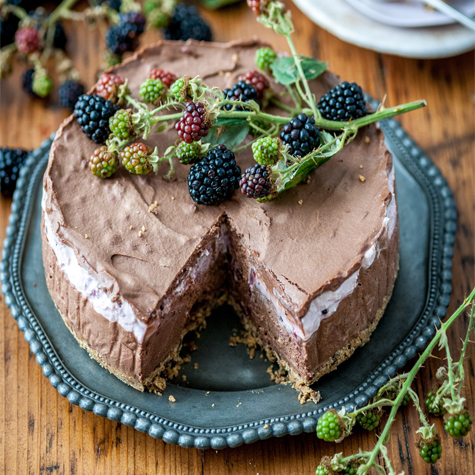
(41,433)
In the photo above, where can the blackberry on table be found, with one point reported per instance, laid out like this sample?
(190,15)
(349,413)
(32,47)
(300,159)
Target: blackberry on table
(124,36)
(188,153)
(343,102)
(93,114)
(114,4)
(132,23)
(11,161)
(135,158)
(27,40)
(240,92)
(194,123)
(186,23)
(257,80)
(458,425)
(369,420)
(432,408)
(120,124)
(42,84)
(108,86)
(256,182)
(329,427)
(103,163)
(27,81)
(69,93)
(215,177)
(264,58)
(151,90)
(59,39)
(322,471)
(301,135)
(166,77)
(266,150)
(430,450)
(8,27)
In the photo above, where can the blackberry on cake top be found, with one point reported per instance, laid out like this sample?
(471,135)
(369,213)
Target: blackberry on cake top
(103,163)
(242,91)
(343,102)
(166,77)
(257,80)
(301,135)
(194,123)
(69,93)
(256,182)
(108,86)
(135,158)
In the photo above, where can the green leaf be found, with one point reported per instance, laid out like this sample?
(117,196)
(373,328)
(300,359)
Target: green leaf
(227,122)
(286,72)
(231,137)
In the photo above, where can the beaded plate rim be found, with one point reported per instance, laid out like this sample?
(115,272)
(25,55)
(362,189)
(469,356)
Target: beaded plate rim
(442,235)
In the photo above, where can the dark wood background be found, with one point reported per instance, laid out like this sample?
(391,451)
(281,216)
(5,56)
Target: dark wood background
(42,433)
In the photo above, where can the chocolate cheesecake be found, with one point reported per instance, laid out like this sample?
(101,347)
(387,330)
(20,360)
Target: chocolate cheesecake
(133,264)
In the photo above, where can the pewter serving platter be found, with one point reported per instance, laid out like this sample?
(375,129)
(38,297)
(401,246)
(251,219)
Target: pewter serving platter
(229,400)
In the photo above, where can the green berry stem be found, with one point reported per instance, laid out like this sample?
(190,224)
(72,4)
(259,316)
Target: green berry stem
(460,371)
(449,368)
(291,110)
(410,378)
(422,416)
(58,12)
(297,99)
(19,12)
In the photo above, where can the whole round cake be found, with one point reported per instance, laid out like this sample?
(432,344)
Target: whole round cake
(133,263)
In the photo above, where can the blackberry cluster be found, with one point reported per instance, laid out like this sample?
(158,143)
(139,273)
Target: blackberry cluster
(151,90)
(264,58)
(432,408)
(93,114)
(124,36)
(430,450)
(328,426)
(186,23)
(120,124)
(266,150)
(257,6)
(103,163)
(27,40)
(369,420)
(301,135)
(27,81)
(11,161)
(458,425)
(194,124)
(69,93)
(351,470)
(8,27)
(343,102)
(135,158)
(214,178)
(257,80)
(108,86)
(166,77)
(59,39)
(256,182)
(321,470)
(241,91)
(188,153)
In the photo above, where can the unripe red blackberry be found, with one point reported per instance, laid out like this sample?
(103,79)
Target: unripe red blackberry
(103,163)
(256,182)
(108,86)
(194,124)
(166,77)
(257,6)
(257,80)
(27,40)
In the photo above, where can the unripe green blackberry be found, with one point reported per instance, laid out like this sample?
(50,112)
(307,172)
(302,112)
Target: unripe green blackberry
(321,471)
(135,158)
(351,470)
(458,425)
(103,163)
(264,58)
(178,91)
(42,84)
(188,153)
(266,150)
(430,450)
(432,408)
(120,124)
(329,426)
(152,90)
(369,420)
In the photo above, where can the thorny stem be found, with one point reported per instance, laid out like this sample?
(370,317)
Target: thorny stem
(450,370)
(292,111)
(460,371)
(410,378)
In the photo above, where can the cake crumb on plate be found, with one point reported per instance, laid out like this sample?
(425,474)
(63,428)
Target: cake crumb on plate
(171,398)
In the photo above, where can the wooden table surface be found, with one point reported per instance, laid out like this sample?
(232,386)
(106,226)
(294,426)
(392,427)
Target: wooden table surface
(42,433)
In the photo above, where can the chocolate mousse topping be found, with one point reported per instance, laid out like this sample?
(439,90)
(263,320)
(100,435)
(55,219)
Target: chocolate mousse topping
(330,241)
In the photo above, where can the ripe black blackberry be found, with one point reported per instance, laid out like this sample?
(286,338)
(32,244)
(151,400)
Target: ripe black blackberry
(256,182)
(27,81)
(132,23)
(11,161)
(241,91)
(93,114)
(69,93)
(301,135)
(343,102)
(60,39)
(114,4)
(214,178)
(186,23)
(8,26)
